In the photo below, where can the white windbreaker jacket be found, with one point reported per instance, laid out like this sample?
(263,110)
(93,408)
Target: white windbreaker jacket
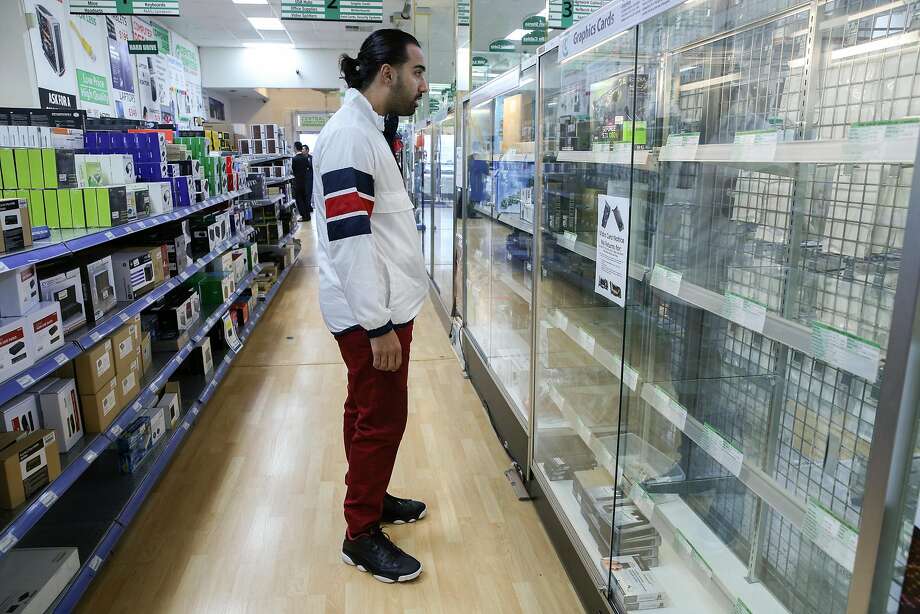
(371,271)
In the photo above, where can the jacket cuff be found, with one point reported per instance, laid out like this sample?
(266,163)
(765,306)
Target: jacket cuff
(379,332)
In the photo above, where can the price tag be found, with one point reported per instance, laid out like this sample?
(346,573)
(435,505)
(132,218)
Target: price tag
(667,280)
(109,235)
(61,359)
(48,498)
(741,607)
(9,540)
(722,450)
(3,267)
(195,411)
(744,311)
(846,351)
(834,536)
(567,240)
(755,145)
(185,425)
(90,456)
(25,381)
(95,563)
(116,430)
(675,413)
(153,387)
(681,146)
(124,317)
(95,336)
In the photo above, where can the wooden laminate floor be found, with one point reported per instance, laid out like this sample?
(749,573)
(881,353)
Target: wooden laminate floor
(248,517)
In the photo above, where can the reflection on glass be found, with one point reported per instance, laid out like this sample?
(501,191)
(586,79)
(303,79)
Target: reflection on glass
(443,213)
(422,188)
(709,418)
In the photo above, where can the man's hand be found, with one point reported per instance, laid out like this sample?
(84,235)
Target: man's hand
(387,352)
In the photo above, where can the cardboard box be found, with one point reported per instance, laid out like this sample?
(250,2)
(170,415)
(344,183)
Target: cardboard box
(18,292)
(98,288)
(95,367)
(101,407)
(157,417)
(129,383)
(126,349)
(30,462)
(34,577)
(47,329)
(160,258)
(15,346)
(66,289)
(15,224)
(146,353)
(135,444)
(134,273)
(21,414)
(61,411)
(172,408)
(201,360)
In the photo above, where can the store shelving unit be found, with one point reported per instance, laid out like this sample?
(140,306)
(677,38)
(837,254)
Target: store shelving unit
(279,180)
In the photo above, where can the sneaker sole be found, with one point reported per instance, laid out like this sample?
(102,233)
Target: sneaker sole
(411,520)
(408,578)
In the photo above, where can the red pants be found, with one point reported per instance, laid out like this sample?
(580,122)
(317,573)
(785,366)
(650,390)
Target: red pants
(375,418)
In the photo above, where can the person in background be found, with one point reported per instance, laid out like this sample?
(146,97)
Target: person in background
(372,286)
(303,180)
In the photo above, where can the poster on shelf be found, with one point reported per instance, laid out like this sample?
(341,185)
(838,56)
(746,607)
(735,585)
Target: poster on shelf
(179,108)
(612,248)
(187,53)
(91,63)
(55,73)
(124,82)
(146,86)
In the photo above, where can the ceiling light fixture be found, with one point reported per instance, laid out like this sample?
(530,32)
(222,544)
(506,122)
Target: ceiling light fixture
(250,1)
(266,23)
(267,45)
(516,35)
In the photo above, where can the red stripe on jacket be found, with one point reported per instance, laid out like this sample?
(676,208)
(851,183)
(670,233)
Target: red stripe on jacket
(348,203)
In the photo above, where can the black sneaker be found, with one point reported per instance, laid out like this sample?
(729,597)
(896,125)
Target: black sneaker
(376,554)
(402,511)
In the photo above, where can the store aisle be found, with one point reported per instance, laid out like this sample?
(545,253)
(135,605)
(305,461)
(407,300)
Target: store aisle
(248,517)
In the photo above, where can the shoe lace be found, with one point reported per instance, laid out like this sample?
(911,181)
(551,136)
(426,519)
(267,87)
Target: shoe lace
(383,541)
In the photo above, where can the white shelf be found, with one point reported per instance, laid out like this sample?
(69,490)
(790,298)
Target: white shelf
(893,151)
(509,219)
(620,155)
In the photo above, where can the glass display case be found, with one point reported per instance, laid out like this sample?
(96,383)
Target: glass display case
(422,191)
(499,233)
(443,212)
(721,195)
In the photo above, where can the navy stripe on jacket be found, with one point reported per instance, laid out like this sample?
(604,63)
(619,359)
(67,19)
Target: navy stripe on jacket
(347,178)
(353,226)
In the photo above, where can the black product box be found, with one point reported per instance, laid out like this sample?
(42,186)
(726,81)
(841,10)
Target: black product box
(175,316)
(15,224)
(257,187)
(66,168)
(268,213)
(269,233)
(206,234)
(563,454)
(118,206)
(98,277)
(200,361)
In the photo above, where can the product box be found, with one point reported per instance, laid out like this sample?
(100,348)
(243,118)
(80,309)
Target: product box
(171,407)
(182,191)
(15,346)
(30,462)
(52,209)
(66,289)
(66,168)
(222,264)
(214,288)
(158,427)
(252,256)
(110,208)
(205,239)
(240,313)
(135,444)
(138,199)
(201,360)
(126,349)
(152,171)
(121,169)
(21,414)
(229,333)
(92,170)
(129,384)
(77,210)
(18,292)
(95,367)
(146,353)
(159,255)
(160,194)
(15,224)
(34,577)
(101,407)
(98,288)
(61,411)
(47,329)
(134,273)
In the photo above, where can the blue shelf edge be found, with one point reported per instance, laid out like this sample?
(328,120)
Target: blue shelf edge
(71,596)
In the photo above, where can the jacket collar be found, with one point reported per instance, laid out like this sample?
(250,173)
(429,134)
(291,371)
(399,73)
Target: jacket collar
(354,98)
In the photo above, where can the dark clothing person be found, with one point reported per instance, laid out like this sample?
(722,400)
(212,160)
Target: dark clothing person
(303,184)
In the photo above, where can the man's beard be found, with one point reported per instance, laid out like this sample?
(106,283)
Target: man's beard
(402,106)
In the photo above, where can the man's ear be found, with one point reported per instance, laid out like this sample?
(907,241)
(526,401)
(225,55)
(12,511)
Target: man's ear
(386,74)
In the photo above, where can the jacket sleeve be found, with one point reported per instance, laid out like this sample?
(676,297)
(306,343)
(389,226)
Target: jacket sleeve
(347,169)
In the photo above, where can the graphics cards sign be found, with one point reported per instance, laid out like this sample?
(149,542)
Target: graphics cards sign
(166,8)
(367,11)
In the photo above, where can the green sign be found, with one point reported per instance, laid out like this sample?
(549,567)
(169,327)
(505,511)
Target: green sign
(143,47)
(463,12)
(535,22)
(166,8)
(566,13)
(162,37)
(311,121)
(502,46)
(333,10)
(92,87)
(537,37)
(479,60)
(188,57)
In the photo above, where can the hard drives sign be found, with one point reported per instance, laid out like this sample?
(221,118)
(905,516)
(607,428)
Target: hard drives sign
(609,21)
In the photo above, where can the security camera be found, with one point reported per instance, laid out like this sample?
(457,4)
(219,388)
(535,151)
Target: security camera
(298,73)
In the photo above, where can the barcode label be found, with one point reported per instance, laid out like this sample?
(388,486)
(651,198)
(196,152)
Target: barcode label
(116,430)
(25,381)
(48,498)
(109,235)
(90,456)
(95,562)
(8,542)
(61,359)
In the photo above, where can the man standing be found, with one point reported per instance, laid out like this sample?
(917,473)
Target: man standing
(372,285)
(303,180)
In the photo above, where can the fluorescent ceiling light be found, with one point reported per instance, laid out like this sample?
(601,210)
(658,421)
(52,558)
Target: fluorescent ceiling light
(544,13)
(267,45)
(516,35)
(266,23)
(250,1)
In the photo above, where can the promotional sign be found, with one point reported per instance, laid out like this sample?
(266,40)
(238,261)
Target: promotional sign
(91,62)
(163,39)
(143,47)
(151,71)
(480,60)
(333,10)
(180,107)
(609,21)
(187,53)
(502,45)
(55,73)
(311,122)
(566,13)
(463,12)
(166,8)
(612,248)
(120,31)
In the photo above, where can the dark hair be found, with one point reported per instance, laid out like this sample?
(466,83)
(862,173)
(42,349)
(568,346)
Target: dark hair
(386,46)
(298,145)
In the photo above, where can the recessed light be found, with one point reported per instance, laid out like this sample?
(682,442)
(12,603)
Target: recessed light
(250,1)
(266,23)
(268,45)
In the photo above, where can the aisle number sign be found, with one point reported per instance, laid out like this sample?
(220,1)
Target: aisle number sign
(369,11)
(166,8)
(566,13)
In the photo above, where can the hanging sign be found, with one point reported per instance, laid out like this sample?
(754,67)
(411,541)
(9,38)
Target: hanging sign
(566,13)
(480,60)
(333,10)
(143,47)
(534,22)
(502,46)
(609,21)
(537,37)
(311,121)
(165,8)
(463,12)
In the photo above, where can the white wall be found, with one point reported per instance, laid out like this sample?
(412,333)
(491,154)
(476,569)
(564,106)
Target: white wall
(17,71)
(229,67)
(228,112)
